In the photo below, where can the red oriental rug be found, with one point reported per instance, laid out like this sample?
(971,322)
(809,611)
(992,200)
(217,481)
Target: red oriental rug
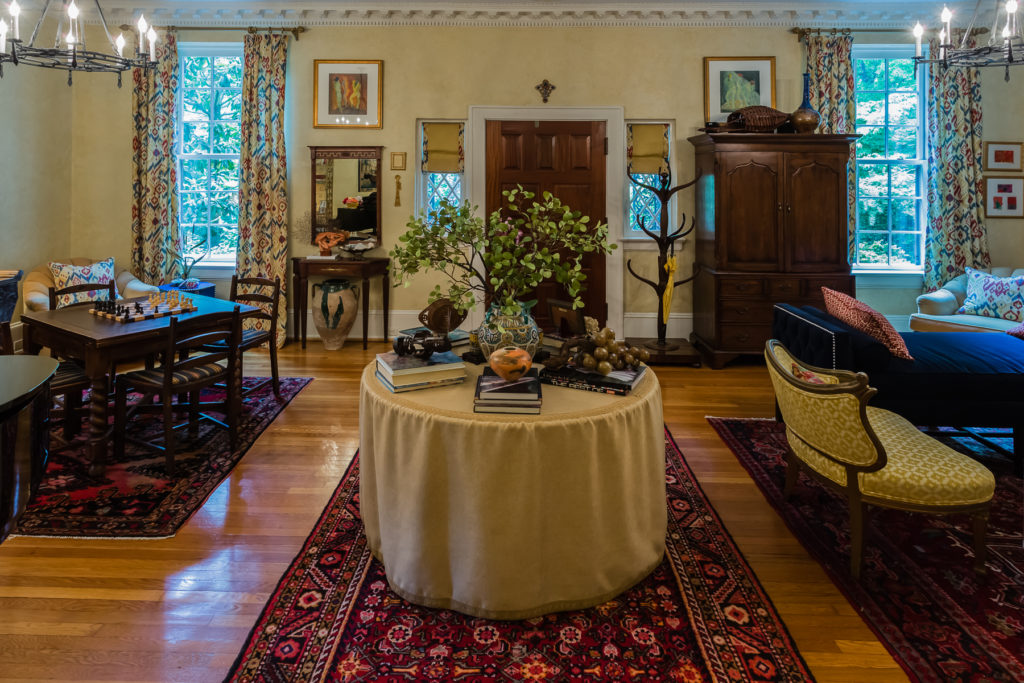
(135,498)
(700,616)
(918,591)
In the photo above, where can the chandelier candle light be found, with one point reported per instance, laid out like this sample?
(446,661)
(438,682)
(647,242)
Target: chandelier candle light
(69,51)
(1004,47)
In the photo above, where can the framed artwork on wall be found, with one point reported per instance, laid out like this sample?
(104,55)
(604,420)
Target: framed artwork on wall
(348,93)
(1002,156)
(398,161)
(731,83)
(1004,197)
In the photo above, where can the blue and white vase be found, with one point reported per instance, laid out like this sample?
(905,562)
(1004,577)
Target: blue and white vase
(499,330)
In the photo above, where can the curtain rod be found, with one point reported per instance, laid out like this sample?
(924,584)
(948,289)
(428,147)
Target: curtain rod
(294,30)
(802,32)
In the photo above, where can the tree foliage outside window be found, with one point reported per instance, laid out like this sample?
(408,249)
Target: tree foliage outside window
(441,187)
(890,163)
(644,205)
(209,115)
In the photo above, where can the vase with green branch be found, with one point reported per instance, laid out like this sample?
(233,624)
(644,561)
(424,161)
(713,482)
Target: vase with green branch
(186,259)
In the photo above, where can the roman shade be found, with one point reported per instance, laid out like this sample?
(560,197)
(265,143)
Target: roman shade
(442,147)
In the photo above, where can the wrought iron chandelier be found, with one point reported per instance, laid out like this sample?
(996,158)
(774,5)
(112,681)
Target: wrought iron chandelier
(1004,47)
(69,51)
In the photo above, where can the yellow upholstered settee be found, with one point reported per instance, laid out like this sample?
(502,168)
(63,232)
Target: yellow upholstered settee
(937,311)
(39,280)
(870,455)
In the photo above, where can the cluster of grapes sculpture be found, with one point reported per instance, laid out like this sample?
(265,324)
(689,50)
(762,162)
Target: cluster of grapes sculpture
(601,352)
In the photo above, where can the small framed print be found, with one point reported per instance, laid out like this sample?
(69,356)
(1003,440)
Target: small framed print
(731,83)
(398,161)
(1002,156)
(1004,197)
(348,93)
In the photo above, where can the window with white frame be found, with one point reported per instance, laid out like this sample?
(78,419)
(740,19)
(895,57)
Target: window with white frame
(209,145)
(442,163)
(891,165)
(647,153)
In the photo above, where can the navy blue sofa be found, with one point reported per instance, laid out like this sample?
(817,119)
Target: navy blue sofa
(964,379)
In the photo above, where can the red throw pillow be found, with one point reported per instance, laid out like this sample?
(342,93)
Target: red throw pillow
(860,316)
(1017,331)
(806,375)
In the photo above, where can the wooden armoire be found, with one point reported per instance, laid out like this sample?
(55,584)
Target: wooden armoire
(771,212)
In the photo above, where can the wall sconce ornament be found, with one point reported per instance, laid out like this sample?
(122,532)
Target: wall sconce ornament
(544,88)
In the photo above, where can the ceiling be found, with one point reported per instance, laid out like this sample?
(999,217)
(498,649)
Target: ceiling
(858,14)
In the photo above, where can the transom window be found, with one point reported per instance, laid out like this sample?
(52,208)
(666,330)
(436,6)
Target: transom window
(891,170)
(209,120)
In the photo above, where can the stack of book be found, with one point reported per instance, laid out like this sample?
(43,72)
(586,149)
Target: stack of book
(495,395)
(408,373)
(458,338)
(619,382)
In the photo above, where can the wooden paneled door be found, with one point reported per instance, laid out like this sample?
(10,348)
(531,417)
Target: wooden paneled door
(566,158)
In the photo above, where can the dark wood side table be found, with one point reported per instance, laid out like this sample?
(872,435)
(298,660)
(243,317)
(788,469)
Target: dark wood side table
(364,268)
(24,431)
(204,289)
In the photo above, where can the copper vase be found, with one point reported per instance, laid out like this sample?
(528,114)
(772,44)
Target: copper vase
(806,118)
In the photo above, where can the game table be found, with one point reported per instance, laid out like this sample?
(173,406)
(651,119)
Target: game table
(101,344)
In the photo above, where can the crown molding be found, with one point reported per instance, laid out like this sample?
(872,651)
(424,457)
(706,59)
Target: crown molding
(526,13)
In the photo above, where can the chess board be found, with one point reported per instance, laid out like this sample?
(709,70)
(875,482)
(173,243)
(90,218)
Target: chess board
(149,311)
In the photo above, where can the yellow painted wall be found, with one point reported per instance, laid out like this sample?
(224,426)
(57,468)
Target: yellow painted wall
(35,169)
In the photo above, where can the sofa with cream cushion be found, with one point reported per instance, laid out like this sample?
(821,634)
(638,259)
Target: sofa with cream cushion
(39,280)
(937,311)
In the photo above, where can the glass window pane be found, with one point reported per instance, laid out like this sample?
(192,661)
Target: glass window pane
(195,72)
(871,109)
(223,239)
(195,138)
(443,186)
(901,74)
(229,72)
(872,248)
(904,181)
(872,180)
(224,208)
(902,108)
(224,174)
(193,174)
(644,204)
(903,142)
(227,105)
(192,208)
(871,144)
(194,240)
(227,138)
(906,249)
(195,104)
(869,74)
(873,214)
(904,214)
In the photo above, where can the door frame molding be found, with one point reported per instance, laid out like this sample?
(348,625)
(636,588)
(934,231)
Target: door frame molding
(615,180)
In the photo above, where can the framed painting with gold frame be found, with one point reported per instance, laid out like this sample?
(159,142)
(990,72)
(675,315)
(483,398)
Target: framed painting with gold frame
(348,93)
(731,83)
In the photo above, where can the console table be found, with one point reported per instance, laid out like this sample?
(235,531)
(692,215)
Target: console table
(364,268)
(512,516)
(24,431)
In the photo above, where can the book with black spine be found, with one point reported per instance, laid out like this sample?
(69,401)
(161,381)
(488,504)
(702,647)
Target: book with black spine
(618,382)
(491,387)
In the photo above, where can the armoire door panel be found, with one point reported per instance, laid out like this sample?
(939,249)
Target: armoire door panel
(747,212)
(815,213)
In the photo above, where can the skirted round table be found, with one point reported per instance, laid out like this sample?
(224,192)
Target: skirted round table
(512,516)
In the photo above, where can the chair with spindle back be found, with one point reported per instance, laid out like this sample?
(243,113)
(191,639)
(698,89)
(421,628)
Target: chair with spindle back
(110,288)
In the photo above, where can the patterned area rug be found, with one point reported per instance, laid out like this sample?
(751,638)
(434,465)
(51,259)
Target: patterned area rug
(700,616)
(135,498)
(918,592)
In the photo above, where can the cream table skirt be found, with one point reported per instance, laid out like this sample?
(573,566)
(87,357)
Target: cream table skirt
(512,516)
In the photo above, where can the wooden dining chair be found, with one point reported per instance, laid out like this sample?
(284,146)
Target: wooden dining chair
(69,381)
(264,294)
(109,288)
(187,366)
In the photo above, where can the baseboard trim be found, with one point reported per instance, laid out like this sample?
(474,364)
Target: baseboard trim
(646,325)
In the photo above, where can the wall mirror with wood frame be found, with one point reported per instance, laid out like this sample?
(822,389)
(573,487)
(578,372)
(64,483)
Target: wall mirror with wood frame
(346,195)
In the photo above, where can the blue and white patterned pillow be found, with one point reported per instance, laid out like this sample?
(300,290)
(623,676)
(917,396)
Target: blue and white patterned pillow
(994,297)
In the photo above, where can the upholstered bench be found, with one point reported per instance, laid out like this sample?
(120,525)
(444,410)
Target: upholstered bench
(956,378)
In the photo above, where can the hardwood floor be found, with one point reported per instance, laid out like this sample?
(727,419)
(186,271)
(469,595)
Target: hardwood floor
(179,609)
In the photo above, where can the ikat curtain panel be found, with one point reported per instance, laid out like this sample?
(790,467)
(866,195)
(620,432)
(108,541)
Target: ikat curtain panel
(263,183)
(955,237)
(647,148)
(443,150)
(155,240)
(830,64)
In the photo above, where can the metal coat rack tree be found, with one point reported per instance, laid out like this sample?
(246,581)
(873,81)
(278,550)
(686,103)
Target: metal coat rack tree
(664,350)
